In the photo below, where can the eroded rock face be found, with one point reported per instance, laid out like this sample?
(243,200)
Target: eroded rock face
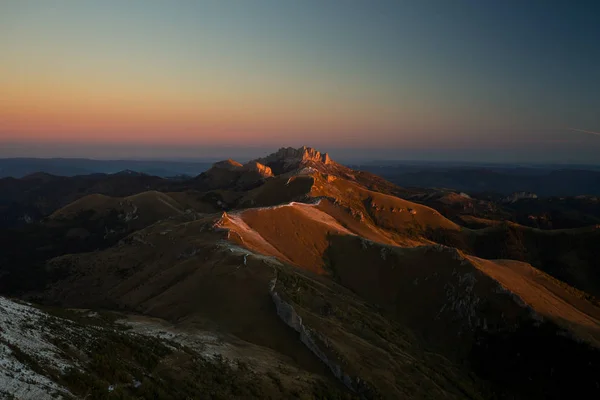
(288,314)
(290,158)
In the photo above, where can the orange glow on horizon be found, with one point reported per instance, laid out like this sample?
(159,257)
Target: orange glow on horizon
(38,110)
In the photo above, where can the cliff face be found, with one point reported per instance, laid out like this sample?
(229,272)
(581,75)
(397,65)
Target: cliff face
(288,158)
(287,313)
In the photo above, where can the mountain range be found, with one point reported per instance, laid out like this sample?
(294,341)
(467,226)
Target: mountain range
(546,180)
(294,276)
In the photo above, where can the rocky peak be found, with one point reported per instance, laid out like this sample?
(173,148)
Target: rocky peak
(310,154)
(289,158)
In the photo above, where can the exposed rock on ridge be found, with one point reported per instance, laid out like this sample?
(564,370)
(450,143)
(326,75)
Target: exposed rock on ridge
(287,158)
(287,313)
(259,168)
(251,166)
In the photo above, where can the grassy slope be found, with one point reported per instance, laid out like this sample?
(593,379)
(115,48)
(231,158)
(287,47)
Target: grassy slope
(109,355)
(502,318)
(183,271)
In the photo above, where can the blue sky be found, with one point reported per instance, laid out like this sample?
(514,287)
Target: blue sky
(501,80)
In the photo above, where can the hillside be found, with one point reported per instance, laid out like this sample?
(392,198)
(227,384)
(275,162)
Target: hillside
(30,199)
(82,353)
(304,266)
(143,208)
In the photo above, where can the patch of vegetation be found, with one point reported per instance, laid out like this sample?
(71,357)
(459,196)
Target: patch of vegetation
(99,318)
(349,323)
(117,364)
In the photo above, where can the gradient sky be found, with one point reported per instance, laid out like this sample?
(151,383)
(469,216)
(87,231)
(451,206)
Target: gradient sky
(474,80)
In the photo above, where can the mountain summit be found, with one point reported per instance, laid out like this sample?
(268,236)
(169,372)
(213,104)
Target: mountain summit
(287,159)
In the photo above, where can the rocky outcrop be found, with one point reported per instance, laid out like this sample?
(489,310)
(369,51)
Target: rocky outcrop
(288,314)
(258,168)
(288,158)
(301,154)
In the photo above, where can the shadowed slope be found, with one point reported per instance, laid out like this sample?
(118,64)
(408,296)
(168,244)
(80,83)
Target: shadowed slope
(134,212)
(505,317)
(346,282)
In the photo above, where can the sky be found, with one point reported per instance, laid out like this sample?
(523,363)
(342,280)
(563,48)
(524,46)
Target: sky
(505,81)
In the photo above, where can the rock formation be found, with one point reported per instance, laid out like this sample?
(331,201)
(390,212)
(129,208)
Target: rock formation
(259,168)
(288,159)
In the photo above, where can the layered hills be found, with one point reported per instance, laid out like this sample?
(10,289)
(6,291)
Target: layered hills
(336,275)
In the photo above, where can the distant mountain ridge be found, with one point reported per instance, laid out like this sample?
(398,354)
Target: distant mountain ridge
(20,167)
(502,180)
(544,180)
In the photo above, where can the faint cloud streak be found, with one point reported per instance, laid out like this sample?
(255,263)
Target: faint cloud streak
(584,131)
